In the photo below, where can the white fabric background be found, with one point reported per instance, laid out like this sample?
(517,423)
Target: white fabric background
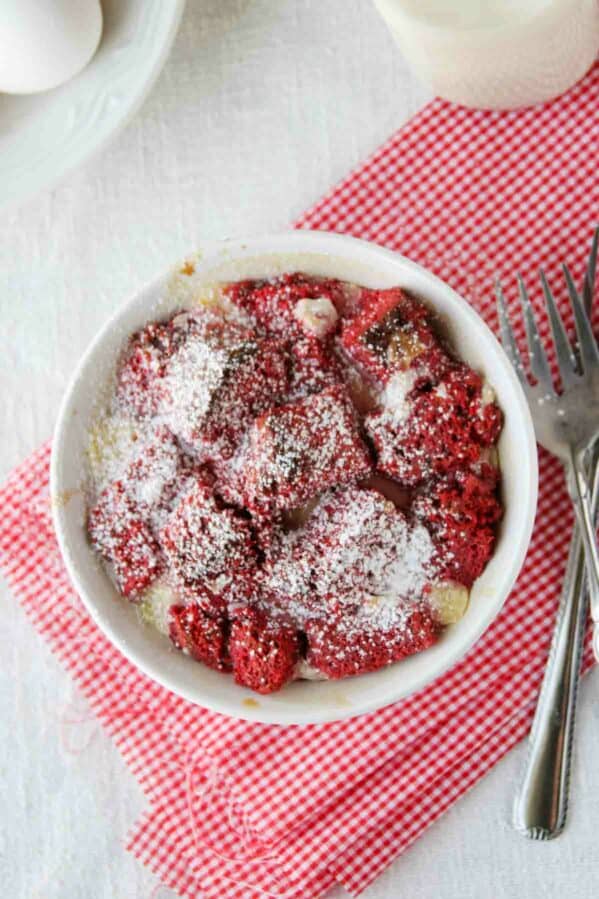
(262,105)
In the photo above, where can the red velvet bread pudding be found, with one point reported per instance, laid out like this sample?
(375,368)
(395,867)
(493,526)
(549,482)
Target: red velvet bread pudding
(295,478)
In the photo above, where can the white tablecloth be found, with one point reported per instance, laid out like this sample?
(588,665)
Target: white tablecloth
(262,105)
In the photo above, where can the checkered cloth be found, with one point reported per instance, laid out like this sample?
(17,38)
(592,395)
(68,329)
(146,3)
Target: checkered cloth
(247,811)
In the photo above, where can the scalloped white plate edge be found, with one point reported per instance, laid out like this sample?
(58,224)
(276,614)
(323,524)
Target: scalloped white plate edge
(52,174)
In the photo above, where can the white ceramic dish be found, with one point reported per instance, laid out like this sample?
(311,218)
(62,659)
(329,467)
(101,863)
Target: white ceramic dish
(303,701)
(43,136)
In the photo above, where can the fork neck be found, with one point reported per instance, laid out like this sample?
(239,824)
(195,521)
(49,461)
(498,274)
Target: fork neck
(580,493)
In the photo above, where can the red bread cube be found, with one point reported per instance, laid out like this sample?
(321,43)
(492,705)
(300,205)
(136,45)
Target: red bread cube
(313,368)
(264,652)
(209,548)
(350,546)
(217,382)
(461,512)
(338,650)
(434,430)
(143,366)
(159,471)
(118,531)
(123,523)
(278,305)
(201,635)
(299,450)
(393,332)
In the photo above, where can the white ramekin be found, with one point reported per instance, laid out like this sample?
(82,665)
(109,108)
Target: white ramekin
(331,255)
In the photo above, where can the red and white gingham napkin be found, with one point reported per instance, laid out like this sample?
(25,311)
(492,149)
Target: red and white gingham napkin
(249,811)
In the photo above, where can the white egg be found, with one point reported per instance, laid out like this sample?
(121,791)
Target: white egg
(45,42)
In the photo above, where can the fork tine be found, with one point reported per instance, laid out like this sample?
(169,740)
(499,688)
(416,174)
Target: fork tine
(565,355)
(587,348)
(588,287)
(536,351)
(508,338)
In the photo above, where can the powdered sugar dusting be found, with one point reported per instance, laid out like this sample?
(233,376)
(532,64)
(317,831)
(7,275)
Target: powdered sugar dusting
(193,378)
(111,443)
(299,449)
(232,478)
(356,550)
(395,396)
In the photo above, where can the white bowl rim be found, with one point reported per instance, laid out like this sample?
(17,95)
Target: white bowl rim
(262,708)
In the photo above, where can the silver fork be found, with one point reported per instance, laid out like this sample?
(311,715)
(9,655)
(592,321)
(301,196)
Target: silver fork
(566,423)
(541,805)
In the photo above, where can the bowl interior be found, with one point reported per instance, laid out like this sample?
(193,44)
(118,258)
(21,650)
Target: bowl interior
(302,701)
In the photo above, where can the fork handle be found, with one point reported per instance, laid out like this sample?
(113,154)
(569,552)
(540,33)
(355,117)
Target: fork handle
(579,491)
(541,804)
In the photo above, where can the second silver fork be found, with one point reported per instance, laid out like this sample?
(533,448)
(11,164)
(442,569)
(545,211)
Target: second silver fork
(541,805)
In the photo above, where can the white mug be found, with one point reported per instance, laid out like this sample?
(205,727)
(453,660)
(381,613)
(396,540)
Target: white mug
(496,54)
